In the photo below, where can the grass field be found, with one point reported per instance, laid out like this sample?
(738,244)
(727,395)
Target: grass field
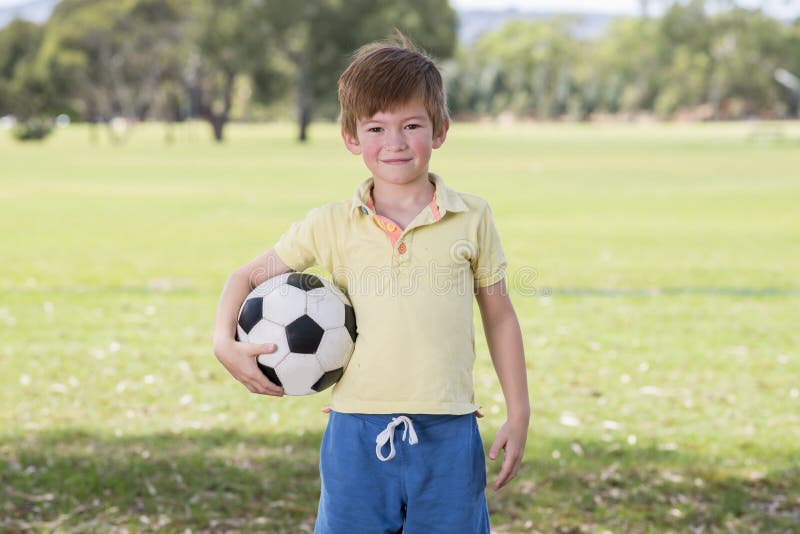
(661,329)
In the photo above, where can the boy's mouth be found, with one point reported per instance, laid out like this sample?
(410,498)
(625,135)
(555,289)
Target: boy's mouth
(396,161)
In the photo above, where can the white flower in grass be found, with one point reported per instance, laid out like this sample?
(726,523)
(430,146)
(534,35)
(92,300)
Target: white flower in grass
(150,310)
(569,419)
(610,425)
(794,393)
(149,379)
(631,439)
(275,417)
(58,388)
(122,386)
(74,382)
(576,448)
(114,346)
(24,380)
(185,400)
(653,391)
(625,378)
(739,350)
(556,455)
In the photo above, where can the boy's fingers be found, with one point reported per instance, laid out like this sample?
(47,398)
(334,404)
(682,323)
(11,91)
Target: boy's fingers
(494,451)
(267,390)
(259,383)
(263,348)
(271,389)
(511,465)
(505,471)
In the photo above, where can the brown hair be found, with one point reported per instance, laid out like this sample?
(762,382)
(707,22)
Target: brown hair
(385,75)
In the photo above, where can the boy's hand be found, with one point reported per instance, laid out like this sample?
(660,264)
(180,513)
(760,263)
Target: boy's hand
(240,361)
(511,437)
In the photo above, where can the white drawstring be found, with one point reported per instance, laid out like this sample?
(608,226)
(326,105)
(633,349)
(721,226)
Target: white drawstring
(388,435)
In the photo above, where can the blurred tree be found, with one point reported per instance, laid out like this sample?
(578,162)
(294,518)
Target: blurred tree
(625,64)
(25,90)
(747,48)
(111,56)
(702,63)
(230,39)
(528,68)
(19,44)
(318,36)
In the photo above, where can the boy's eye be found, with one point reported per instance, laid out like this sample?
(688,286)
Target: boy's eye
(374,129)
(413,126)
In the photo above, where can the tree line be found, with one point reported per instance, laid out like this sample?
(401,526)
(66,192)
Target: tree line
(729,64)
(177,59)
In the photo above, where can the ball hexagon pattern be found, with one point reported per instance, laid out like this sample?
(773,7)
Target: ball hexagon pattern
(311,322)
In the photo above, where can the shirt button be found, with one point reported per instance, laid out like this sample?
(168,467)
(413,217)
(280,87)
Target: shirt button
(391,227)
(402,248)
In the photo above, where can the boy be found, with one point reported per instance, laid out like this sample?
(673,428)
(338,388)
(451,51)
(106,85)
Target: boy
(410,253)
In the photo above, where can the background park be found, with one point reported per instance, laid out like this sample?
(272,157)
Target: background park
(642,169)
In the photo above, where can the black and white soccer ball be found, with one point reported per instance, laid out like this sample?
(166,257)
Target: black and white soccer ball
(311,322)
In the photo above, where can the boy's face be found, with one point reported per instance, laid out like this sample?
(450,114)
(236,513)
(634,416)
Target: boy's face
(396,145)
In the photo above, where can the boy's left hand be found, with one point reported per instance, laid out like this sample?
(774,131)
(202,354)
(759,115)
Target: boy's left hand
(511,438)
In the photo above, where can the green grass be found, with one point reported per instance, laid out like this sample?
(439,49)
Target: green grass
(660,327)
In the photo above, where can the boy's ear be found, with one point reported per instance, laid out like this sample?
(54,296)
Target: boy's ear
(351,142)
(438,140)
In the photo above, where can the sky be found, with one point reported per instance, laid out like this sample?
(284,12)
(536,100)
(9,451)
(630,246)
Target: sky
(782,8)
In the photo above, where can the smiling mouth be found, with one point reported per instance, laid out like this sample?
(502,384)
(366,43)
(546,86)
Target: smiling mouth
(396,161)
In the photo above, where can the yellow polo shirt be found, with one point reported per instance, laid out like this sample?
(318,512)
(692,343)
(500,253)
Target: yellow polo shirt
(412,295)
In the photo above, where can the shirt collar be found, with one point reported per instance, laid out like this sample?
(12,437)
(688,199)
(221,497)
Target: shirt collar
(446,198)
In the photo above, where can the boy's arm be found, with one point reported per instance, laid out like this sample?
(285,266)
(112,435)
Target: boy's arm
(504,337)
(240,358)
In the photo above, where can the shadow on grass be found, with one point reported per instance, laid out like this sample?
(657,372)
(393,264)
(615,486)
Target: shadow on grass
(223,480)
(201,480)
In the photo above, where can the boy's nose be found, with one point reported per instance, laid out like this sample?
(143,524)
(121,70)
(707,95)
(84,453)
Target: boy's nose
(395,140)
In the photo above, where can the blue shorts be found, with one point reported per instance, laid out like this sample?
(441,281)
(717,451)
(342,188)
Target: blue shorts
(435,485)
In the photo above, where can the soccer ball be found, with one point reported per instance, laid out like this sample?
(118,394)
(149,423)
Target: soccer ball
(312,324)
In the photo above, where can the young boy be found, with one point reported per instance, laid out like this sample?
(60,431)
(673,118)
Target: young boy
(410,253)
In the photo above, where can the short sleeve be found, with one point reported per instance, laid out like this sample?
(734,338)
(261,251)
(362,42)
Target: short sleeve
(489,264)
(305,243)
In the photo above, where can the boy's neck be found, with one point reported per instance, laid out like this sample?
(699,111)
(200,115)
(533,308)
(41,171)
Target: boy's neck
(403,196)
